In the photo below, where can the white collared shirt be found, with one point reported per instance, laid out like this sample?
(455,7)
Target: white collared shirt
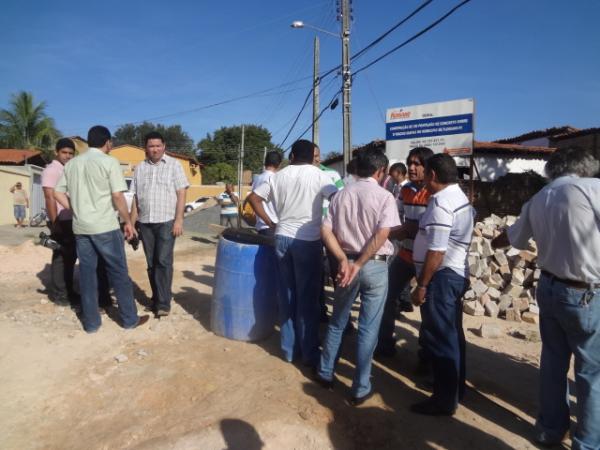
(446,226)
(564,220)
(264,177)
(155,187)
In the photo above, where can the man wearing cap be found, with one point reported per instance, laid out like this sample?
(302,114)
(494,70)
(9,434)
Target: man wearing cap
(20,203)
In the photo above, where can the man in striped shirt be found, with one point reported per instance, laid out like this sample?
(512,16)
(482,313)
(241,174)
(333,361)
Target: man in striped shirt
(413,201)
(159,185)
(440,256)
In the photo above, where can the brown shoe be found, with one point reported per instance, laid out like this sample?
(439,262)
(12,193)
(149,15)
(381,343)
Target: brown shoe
(142,320)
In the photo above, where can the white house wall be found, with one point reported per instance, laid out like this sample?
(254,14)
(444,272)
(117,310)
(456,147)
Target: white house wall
(492,167)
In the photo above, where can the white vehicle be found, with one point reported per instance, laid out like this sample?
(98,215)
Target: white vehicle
(195,204)
(128,194)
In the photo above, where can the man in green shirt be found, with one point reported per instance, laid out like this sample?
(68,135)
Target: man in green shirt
(95,184)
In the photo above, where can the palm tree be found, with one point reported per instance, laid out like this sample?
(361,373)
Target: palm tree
(26,125)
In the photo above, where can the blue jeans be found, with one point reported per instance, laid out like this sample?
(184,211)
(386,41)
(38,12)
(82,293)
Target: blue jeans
(109,247)
(300,267)
(569,324)
(372,285)
(442,336)
(19,211)
(158,242)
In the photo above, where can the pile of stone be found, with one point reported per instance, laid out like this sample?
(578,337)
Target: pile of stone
(503,281)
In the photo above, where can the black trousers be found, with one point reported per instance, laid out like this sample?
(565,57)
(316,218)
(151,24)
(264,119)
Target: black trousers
(63,261)
(158,242)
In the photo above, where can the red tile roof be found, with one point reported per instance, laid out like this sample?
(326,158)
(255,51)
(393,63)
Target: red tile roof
(572,134)
(548,132)
(16,156)
(495,147)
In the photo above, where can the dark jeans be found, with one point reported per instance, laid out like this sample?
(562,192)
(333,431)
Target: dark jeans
(300,269)
(63,261)
(158,242)
(109,247)
(400,274)
(442,336)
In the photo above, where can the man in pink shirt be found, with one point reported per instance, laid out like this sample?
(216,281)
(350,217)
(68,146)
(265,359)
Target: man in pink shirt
(60,223)
(356,232)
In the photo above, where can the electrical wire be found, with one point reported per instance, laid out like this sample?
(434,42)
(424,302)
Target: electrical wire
(412,38)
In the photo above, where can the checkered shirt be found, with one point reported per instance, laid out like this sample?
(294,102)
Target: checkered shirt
(155,187)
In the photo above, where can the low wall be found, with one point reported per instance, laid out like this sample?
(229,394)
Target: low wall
(209,190)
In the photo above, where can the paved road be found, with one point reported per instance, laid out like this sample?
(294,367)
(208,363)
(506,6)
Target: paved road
(11,236)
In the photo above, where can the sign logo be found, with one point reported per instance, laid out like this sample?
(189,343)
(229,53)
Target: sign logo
(400,115)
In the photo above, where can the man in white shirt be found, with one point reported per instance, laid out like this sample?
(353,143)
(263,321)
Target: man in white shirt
(159,185)
(440,257)
(272,163)
(564,220)
(297,194)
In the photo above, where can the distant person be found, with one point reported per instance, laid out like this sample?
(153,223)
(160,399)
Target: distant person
(564,220)
(228,201)
(95,184)
(396,179)
(272,163)
(159,186)
(297,194)
(20,203)
(440,257)
(60,223)
(355,231)
(413,202)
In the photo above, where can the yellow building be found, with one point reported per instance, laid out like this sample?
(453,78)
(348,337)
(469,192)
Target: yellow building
(131,155)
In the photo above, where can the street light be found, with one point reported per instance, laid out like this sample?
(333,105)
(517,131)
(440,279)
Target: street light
(346,79)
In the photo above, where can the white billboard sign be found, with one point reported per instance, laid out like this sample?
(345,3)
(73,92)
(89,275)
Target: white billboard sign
(444,127)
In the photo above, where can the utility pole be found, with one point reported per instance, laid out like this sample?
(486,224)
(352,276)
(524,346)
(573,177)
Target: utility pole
(315,125)
(347,83)
(240,174)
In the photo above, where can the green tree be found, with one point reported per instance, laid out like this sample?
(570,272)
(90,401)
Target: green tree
(25,124)
(219,172)
(176,139)
(223,147)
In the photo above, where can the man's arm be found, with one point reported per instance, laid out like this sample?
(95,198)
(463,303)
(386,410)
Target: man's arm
(433,260)
(257,204)
(51,209)
(333,246)
(121,205)
(178,222)
(408,230)
(63,199)
(133,214)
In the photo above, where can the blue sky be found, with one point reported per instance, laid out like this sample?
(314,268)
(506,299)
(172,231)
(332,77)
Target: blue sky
(529,64)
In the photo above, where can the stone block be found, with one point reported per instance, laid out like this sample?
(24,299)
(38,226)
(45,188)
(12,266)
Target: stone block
(473,308)
(469,295)
(513,315)
(497,220)
(514,290)
(512,252)
(476,245)
(536,274)
(479,288)
(518,276)
(486,249)
(495,268)
(504,303)
(489,331)
(530,317)
(491,309)
(520,303)
(484,299)
(496,281)
(488,232)
(534,309)
(500,258)
(532,246)
(493,293)
(528,277)
(509,220)
(528,256)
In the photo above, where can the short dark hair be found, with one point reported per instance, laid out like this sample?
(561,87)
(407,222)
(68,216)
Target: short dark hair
(571,160)
(444,167)
(370,161)
(65,143)
(98,136)
(303,151)
(421,153)
(400,167)
(153,135)
(351,167)
(273,159)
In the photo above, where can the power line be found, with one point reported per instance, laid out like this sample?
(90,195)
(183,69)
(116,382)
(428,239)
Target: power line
(409,40)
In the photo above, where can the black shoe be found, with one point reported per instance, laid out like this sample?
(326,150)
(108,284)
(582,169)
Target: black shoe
(325,384)
(357,401)
(162,313)
(544,439)
(430,407)
(385,352)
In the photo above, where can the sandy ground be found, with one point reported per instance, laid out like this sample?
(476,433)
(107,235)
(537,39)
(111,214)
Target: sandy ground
(182,387)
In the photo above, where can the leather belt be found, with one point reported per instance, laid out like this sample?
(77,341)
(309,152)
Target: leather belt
(355,256)
(572,283)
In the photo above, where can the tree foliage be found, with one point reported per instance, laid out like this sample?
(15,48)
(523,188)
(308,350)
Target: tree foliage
(219,172)
(25,124)
(176,139)
(223,146)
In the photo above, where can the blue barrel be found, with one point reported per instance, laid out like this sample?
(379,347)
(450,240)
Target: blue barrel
(244,302)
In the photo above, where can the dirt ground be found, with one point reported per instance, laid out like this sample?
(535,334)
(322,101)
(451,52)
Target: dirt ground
(182,387)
